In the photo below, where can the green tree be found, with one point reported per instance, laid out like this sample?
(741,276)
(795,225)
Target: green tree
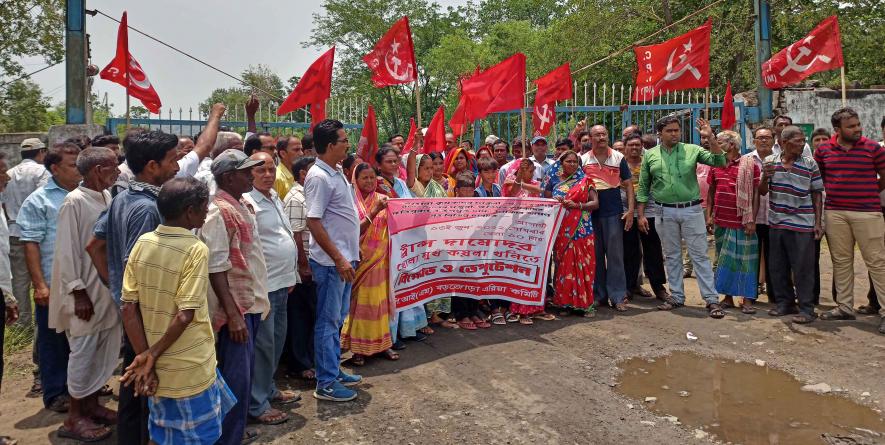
(30,28)
(23,107)
(235,97)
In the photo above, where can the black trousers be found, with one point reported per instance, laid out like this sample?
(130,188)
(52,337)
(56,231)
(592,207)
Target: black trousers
(301,316)
(132,411)
(645,249)
(792,254)
(762,233)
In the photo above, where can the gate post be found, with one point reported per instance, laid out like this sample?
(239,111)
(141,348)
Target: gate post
(763,53)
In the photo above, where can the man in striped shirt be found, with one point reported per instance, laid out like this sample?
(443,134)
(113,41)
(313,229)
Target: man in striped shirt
(850,164)
(794,219)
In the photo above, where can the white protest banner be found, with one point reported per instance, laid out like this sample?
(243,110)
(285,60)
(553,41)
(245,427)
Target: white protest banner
(483,248)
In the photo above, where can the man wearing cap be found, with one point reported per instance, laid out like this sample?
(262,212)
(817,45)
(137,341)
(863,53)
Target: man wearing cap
(237,277)
(24,178)
(539,157)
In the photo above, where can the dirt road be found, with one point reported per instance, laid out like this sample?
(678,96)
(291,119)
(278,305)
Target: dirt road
(554,382)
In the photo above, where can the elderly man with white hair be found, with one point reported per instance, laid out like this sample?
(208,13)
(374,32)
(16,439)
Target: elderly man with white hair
(80,305)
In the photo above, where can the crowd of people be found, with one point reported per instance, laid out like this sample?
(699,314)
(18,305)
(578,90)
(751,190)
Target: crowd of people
(207,261)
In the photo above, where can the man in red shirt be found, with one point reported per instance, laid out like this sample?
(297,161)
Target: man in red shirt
(850,164)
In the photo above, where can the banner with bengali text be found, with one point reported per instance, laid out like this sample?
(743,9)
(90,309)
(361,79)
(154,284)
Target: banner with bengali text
(482,248)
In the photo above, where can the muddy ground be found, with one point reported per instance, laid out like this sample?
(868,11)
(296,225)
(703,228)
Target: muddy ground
(554,382)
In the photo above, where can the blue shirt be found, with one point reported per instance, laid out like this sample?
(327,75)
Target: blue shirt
(329,198)
(38,218)
(481,192)
(132,213)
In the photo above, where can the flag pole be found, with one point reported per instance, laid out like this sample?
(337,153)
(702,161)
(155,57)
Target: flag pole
(844,95)
(707,104)
(418,101)
(525,100)
(127,108)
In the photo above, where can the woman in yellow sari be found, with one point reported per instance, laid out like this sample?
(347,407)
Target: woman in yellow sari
(457,162)
(366,330)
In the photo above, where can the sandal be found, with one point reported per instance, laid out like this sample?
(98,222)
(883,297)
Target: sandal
(358,360)
(803,318)
(84,431)
(391,355)
(104,415)
(590,313)
(482,324)
(727,304)
(469,325)
(836,314)
(449,325)
(662,294)
(669,304)
(426,330)
(621,307)
(748,309)
(526,321)
(544,316)
(286,397)
(435,319)
(272,416)
(498,319)
(715,311)
(512,318)
(640,291)
(867,310)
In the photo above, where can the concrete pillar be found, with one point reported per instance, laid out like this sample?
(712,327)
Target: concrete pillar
(75,62)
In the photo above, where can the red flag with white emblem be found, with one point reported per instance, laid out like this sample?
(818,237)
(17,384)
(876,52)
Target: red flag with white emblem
(126,71)
(680,63)
(313,89)
(368,144)
(553,86)
(820,50)
(392,60)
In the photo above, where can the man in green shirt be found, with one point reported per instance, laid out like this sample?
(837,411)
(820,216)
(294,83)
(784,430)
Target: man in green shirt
(668,174)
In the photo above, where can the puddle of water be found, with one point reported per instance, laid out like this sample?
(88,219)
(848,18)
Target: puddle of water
(741,402)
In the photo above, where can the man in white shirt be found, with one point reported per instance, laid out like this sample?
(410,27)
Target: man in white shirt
(278,246)
(24,178)
(781,122)
(539,157)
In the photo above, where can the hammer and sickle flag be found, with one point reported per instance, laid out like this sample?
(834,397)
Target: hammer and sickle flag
(392,60)
(680,63)
(553,86)
(126,71)
(820,50)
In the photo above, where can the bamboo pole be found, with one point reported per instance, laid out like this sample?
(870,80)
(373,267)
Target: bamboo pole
(127,108)
(844,94)
(707,104)
(418,101)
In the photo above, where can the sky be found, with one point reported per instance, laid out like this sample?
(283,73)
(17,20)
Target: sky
(229,34)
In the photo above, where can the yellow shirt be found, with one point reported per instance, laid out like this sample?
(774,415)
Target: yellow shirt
(168,271)
(284,181)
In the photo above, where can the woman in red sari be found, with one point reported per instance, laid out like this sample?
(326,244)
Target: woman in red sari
(573,250)
(457,162)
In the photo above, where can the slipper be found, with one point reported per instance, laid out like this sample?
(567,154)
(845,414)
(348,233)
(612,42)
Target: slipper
(748,309)
(286,397)
(483,324)
(544,316)
(449,325)
(526,321)
(512,318)
(498,319)
(621,307)
(391,355)
(803,318)
(269,418)
(727,304)
(81,429)
(469,325)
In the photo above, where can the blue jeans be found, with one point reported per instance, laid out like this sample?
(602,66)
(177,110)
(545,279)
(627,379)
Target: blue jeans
(611,280)
(686,223)
(53,354)
(236,362)
(333,304)
(269,341)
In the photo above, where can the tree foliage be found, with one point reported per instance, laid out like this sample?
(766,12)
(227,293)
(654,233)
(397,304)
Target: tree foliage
(30,28)
(23,108)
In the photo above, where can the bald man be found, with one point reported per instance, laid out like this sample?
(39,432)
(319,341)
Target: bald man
(278,246)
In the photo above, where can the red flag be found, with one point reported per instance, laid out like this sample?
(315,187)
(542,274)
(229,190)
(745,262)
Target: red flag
(368,144)
(553,86)
(458,123)
(728,120)
(820,50)
(410,140)
(392,60)
(498,88)
(677,64)
(317,113)
(126,71)
(314,87)
(435,138)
